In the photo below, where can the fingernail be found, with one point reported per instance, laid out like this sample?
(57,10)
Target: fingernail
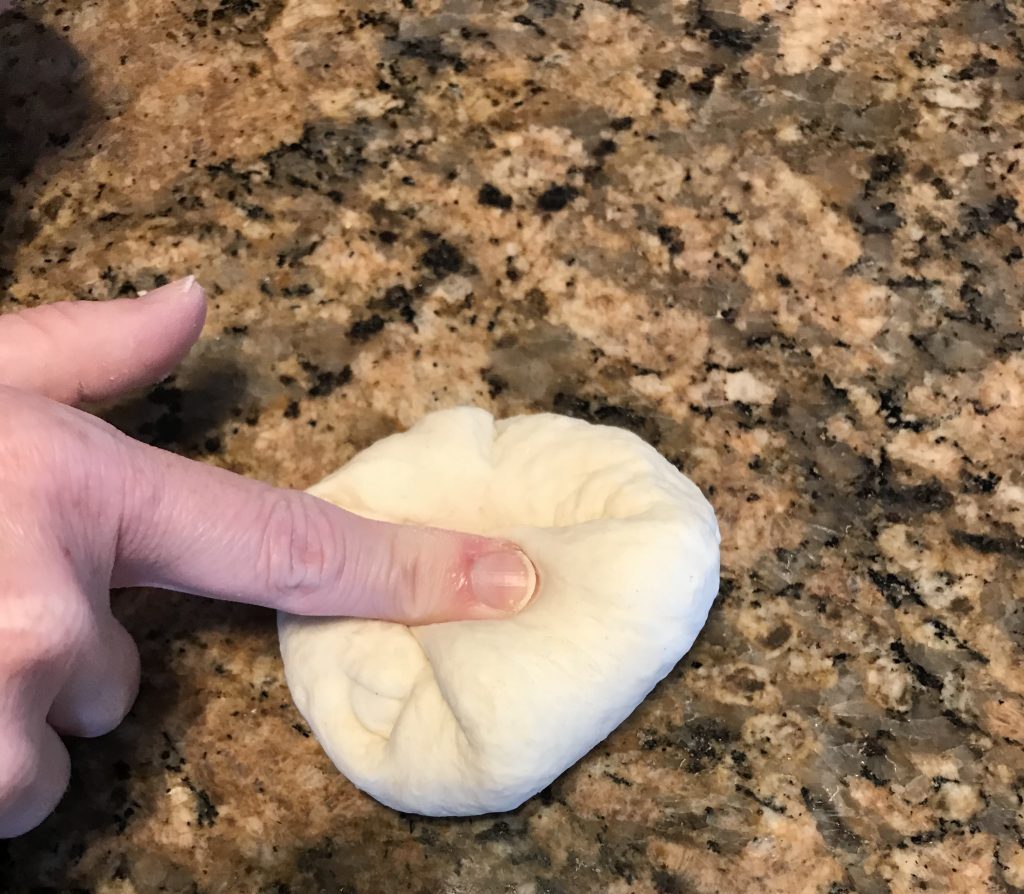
(173,291)
(503,580)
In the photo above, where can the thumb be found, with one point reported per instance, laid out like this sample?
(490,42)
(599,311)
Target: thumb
(199,529)
(82,351)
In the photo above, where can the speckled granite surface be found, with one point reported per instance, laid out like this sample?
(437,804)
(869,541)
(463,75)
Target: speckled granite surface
(780,240)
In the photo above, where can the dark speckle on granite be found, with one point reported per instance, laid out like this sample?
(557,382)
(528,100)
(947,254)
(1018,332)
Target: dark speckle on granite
(780,241)
(491,195)
(555,198)
(442,259)
(363,329)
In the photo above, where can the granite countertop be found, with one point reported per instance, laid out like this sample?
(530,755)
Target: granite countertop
(782,241)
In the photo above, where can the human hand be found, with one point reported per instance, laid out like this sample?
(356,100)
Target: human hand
(84,508)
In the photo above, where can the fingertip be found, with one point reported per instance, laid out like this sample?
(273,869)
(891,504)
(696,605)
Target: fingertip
(172,319)
(184,296)
(88,351)
(503,579)
(423,575)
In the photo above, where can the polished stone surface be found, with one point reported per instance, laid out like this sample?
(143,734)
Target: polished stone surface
(782,241)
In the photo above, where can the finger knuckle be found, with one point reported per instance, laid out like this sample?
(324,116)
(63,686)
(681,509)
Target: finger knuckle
(301,552)
(41,634)
(21,426)
(44,450)
(34,772)
(410,587)
(96,712)
(397,578)
(120,690)
(57,465)
(102,714)
(18,771)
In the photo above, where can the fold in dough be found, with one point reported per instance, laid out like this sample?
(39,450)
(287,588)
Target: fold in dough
(476,716)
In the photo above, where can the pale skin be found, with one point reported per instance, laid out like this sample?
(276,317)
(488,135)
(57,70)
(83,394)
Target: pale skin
(83,508)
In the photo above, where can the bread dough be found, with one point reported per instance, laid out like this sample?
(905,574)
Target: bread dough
(472,717)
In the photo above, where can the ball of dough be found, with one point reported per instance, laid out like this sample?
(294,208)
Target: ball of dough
(471,717)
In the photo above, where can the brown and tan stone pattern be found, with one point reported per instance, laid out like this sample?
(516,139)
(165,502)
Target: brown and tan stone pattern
(780,240)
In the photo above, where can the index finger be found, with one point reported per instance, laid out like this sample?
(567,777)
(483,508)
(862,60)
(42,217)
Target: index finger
(196,528)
